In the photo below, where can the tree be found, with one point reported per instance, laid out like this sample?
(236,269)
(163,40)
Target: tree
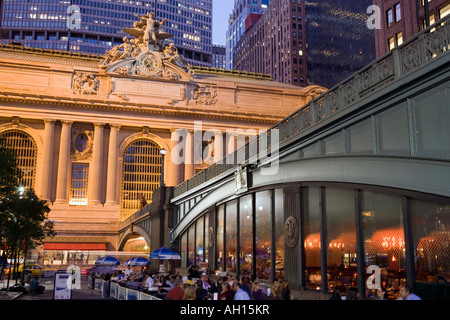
(23,216)
(10,174)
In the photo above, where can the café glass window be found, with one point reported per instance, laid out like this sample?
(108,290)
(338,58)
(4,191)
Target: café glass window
(384,240)
(231,236)
(431,236)
(311,215)
(219,237)
(199,247)
(341,238)
(191,245)
(263,234)
(183,247)
(279,234)
(246,235)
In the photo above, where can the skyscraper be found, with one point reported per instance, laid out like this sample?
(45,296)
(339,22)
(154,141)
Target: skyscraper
(308,42)
(218,57)
(96,26)
(275,44)
(402,19)
(236,23)
(339,42)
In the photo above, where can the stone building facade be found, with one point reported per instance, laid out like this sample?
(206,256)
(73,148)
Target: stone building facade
(89,138)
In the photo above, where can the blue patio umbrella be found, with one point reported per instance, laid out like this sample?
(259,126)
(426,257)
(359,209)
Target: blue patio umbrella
(165,253)
(107,261)
(137,261)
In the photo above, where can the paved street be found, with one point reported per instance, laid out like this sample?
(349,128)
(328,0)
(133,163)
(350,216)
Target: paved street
(77,294)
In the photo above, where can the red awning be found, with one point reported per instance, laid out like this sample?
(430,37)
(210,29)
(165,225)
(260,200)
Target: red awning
(74,246)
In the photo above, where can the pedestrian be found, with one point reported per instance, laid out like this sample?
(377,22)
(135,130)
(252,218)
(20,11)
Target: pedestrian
(336,294)
(406,293)
(286,291)
(177,293)
(257,292)
(239,294)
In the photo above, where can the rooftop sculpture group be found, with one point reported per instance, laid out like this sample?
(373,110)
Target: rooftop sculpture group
(147,54)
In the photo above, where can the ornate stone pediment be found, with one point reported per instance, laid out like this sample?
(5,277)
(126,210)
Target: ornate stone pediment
(147,55)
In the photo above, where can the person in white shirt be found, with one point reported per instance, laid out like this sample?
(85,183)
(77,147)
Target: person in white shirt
(149,282)
(128,272)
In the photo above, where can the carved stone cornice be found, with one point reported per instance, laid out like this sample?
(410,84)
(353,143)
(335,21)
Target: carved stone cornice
(139,108)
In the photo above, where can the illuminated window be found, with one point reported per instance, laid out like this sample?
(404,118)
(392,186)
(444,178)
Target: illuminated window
(79,191)
(444,11)
(399,38)
(141,174)
(25,150)
(391,43)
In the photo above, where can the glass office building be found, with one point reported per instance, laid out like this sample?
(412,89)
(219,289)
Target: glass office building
(93,27)
(236,23)
(339,41)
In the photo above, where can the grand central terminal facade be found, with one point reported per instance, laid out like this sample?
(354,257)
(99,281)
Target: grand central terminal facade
(88,130)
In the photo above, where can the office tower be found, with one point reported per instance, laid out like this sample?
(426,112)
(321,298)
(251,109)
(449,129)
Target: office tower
(95,26)
(339,42)
(218,57)
(236,23)
(274,43)
(307,42)
(402,19)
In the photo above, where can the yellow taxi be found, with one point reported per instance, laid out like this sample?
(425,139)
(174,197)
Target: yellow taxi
(35,269)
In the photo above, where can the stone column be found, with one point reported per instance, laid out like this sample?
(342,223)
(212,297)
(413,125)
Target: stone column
(96,166)
(64,166)
(47,156)
(172,175)
(189,166)
(111,186)
(218,147)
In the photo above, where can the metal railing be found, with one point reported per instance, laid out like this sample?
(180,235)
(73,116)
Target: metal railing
(413,54)
(113,290)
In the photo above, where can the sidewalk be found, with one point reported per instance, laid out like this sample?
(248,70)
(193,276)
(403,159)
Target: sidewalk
(85,293)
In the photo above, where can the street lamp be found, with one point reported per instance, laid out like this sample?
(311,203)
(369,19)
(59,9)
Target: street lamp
(163,153)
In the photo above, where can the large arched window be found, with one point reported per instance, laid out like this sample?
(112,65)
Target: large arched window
(26,154)
(141,174)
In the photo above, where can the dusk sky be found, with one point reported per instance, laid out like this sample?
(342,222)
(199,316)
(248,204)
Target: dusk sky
(221,12)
